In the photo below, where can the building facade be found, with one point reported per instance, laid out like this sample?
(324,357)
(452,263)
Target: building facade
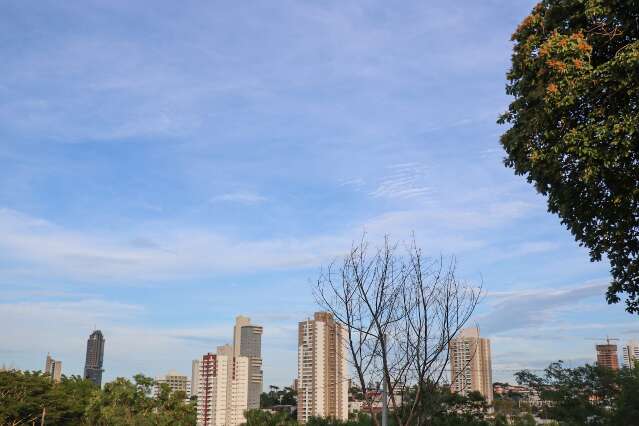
(607,356)
(247,342)
(322,380)
(471,364)
(95,358)
(631,354)
(230,381)
(53,368)
(195,376)
(175,381)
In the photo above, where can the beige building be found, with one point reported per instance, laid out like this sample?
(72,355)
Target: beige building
(175,381)
(230,381)
(195,376)
(631,354)
(470,364)
(322,381)
(53,368)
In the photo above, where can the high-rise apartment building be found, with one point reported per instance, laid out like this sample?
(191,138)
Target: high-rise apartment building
(247,342)
(631,354)
(195,376)
(53,368)
(471,364)
(230,381)
(322,381)
(175,381)
(95,358)
(607,356)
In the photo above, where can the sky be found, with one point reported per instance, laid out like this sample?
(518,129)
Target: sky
(166,166)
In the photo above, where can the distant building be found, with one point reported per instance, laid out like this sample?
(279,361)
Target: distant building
(230,381)
(471,364)
(607,356)
(53,368)
(175,381)
(631,354)
(95,358)
(195,376)
(247,342)
(322,385)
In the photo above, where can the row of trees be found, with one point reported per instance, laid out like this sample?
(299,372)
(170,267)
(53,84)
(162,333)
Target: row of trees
(28,398)
(586,395)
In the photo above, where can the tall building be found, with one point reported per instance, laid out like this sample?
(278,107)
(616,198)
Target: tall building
(230,381)
(53,368)
(607,356)
(175,381)
(212,391)
(247,342)
(195,376)
(631,354)
(95,358)
(471,364)
(322,385)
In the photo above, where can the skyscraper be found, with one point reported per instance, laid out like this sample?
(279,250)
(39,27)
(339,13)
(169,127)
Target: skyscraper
(53,368)
(631,354)
(322,370)
(471,364)
(607,356)
(247,342)
(230,381)
(95,358)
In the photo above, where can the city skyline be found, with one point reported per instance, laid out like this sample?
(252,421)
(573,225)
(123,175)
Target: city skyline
(170,167)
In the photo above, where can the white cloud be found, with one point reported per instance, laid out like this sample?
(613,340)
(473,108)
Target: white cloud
(406,181)
(531,308)
(163,251)
(242,197)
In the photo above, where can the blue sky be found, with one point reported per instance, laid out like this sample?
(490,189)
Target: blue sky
(166,166)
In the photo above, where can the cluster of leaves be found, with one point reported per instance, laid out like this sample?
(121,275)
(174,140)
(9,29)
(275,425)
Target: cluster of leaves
(277,396)
(266,418)
(575,125)
(26,396)
(586,395)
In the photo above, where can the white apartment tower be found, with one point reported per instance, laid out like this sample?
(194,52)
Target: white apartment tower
(631,354)
(230,381)
(470,364)
(322,384)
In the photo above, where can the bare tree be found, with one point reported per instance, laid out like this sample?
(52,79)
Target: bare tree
(400,311)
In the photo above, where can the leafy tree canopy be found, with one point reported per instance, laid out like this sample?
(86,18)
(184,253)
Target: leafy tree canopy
(574,125)
(586,395)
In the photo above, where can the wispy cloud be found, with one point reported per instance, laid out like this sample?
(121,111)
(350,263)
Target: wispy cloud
(242,197)
(405,181)
(531,308)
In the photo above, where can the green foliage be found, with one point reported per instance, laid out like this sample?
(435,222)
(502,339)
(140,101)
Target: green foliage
(277,396)
(75,401)
(265,418)
(123,402)
(24,395)
(586,395)
(575,125)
